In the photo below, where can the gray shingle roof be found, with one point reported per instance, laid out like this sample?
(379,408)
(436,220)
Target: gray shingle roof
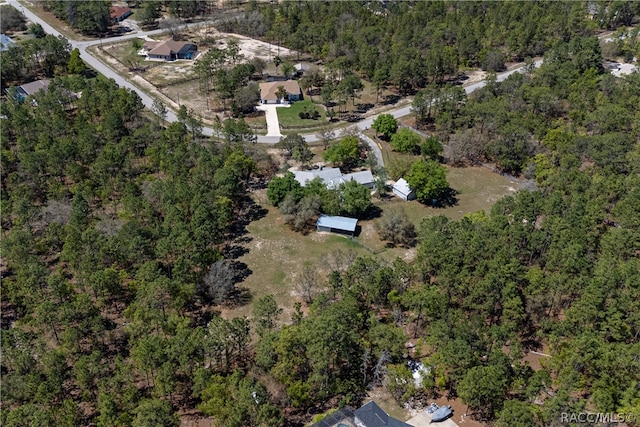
(326,174)
(363,177)
(33,87)
(371,415)
(343,417)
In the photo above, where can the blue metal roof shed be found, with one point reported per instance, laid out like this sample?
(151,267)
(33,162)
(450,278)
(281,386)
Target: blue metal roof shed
(337,224)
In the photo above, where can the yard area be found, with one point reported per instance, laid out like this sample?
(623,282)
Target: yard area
(276,255)
(291,116)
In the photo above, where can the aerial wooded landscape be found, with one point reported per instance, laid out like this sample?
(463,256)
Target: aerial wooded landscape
(163,261)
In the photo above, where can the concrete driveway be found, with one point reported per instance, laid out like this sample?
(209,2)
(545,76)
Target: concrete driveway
(270,110)
(423,419)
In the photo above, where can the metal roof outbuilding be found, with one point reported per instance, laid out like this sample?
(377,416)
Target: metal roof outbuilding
(339,224)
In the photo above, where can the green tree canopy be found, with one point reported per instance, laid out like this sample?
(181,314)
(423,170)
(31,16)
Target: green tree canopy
(356,198)
(280,187)
(406,141)
(428,179)
(386,125)
(346,153)
(483,388)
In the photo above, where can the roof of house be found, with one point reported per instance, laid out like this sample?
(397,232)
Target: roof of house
(117,12)
(268,89)
(326,174)
(5,42)
(337,222)
(167,47)
(343,417)
(402,186)
(372,415)
(362,177)
(35,86)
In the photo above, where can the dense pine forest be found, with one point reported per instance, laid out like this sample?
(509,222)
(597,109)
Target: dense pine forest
(116,231)
(410,43)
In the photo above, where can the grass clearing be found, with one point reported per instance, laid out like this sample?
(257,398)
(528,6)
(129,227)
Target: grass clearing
(478,189)
(276,255)
(290,116)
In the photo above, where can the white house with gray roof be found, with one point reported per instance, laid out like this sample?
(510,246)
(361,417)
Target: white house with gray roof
(332,177)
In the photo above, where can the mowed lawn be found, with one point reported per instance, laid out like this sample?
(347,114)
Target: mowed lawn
(477,187)
(276,255)
(290,116)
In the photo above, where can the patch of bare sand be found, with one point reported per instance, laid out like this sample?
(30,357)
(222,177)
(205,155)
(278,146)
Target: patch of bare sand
(368,230)
(410,254)
(250,48)
(475,76)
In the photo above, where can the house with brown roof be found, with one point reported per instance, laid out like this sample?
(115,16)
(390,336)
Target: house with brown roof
(269,93)
(119,13)
(169,50)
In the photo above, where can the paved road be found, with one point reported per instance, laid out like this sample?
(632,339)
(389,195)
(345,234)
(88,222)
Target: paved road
(147,100)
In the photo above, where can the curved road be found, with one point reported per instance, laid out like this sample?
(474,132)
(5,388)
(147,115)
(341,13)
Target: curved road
(147,100)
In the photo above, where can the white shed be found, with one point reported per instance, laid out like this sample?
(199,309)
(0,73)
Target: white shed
(401,189)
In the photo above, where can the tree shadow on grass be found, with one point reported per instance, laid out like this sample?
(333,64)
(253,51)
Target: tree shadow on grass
(236,249)
(241,271)
(363,108)
(391,99)
(372,212)
(251,211)
(449,198)
(446,200)
(241,296)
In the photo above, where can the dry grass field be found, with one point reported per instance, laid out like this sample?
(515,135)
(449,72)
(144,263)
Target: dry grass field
(276,255)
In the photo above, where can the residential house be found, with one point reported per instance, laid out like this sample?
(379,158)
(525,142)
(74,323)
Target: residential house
(325,174)
(268,91)
(593,9)
(401,189)
(168,50)
(5,42)
(119,13)
(332,177)
(363,177)
(23,91)
(337,224)
(369,415)
(372,415)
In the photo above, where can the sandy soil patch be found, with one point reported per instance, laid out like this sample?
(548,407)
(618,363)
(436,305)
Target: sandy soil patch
(250,48)
(475,76)
(173,71)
